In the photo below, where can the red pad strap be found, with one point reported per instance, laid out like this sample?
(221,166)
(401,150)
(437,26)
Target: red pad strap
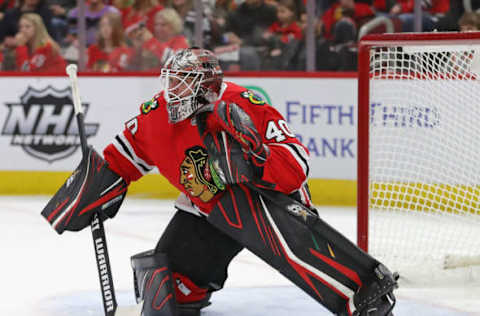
(186,291)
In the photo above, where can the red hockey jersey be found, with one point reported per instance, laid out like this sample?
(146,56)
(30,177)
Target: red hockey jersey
(45,58)
(149,141)
(436,6)
(361,12)
(287,33)
(115,61)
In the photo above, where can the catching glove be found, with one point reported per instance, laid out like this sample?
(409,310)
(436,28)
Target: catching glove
(236,122)
(236,152)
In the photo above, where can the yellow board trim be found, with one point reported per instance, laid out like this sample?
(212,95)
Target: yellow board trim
(324,191)
(412,196)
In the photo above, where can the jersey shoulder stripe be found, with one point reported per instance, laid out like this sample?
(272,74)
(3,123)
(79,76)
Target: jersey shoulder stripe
(123,146)
(298,153)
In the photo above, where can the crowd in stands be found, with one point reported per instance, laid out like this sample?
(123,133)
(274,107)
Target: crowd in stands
(256,35)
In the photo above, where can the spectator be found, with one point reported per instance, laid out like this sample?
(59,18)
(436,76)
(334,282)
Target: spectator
(149,53)
(35,49)
(469,22)
(222,8)
(95,10)
(384,6)
(282,36)
(342,20)
(329,57)
(9,23)
(168,30)
(449,21)
(8,59)
(432,11)
(142,11)
(241,40)
(323,5)
(59,21)
(4,6)
(70,49)
(122,4)
(110,54)
(248,22)
(286,27)
(187,12)
(220,13)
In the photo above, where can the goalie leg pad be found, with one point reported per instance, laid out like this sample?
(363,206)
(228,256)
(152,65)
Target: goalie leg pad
(91,188)
(154,285)
(165,293)
(295,241)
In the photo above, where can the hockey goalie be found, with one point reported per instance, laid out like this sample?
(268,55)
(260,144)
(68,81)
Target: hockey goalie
(242,177)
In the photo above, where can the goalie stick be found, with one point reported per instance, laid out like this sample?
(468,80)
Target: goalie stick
(98,231)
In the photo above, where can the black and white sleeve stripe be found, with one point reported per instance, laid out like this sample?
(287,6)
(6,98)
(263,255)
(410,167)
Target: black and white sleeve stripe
(299,153)
(123,146)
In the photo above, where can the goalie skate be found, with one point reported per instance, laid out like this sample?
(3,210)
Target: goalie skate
(376,298)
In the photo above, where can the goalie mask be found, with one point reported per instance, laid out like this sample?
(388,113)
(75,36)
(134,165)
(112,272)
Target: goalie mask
(190,79)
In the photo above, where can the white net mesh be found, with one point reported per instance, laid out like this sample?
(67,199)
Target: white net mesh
(424,168)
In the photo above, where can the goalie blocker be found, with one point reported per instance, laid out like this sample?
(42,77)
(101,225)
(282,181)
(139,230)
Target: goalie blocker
(91,188)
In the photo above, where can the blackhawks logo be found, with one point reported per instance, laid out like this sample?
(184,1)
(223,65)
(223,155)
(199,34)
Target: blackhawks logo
(196,176)
(43,123)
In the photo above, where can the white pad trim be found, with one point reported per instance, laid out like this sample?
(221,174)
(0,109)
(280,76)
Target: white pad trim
(347,292)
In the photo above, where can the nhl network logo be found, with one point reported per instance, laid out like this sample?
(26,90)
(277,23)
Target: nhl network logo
(44,124)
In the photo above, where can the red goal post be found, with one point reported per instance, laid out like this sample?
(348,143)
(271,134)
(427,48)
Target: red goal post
(414,66)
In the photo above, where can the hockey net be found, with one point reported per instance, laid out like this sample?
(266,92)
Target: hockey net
(419,154)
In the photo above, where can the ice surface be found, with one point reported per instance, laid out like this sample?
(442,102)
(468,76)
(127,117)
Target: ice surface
(45,274)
